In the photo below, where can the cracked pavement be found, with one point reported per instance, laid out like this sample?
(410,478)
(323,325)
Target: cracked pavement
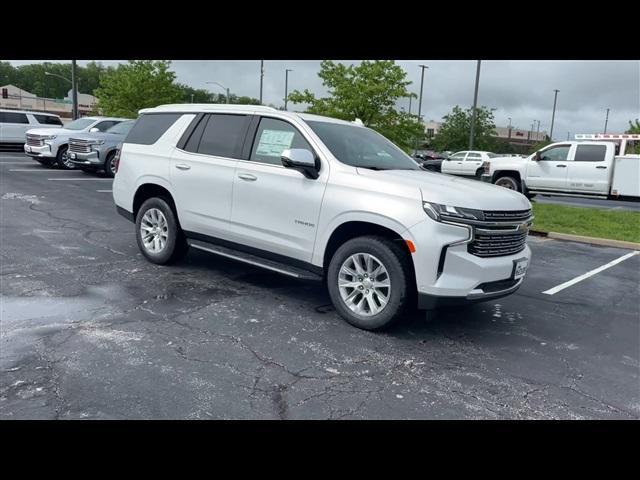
(90,330)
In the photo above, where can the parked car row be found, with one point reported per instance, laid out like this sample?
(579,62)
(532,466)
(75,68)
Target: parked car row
(14,125)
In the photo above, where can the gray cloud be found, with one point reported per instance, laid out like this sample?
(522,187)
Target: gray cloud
(522,90)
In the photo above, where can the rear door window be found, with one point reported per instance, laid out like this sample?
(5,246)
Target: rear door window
(106,125)
(272,138)
(590,153)
(223,135)
(150,127)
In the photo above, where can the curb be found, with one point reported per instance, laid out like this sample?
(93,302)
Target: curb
(605,242)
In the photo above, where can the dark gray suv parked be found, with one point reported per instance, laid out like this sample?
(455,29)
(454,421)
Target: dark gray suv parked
(96,151)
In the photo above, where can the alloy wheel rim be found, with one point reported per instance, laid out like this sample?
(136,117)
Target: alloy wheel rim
(505,184)
(154,230)
(364,284)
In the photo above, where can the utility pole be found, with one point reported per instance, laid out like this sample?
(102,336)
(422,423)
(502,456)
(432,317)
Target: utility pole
(553,115)
(286,86)
(192,98)
(532,127)
(509,127)
(261,78)
(410,97)
(568,135)
(538,131)
(74,90)
(473,112)
(606,121)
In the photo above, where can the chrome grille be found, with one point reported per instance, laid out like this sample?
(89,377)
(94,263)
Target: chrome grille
(497,244)
(495,240)
(79,146)
(34,140)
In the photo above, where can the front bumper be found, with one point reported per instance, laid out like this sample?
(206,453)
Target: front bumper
(447,274)
(85,159)
(45,151)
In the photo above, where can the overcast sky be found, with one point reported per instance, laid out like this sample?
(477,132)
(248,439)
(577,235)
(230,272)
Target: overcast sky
(522,90)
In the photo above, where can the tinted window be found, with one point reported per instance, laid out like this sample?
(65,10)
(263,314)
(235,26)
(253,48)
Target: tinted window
(121,128)
(80,124)
(103,126)
(272,138)
(48,120)
(555,154)
(473,156)
(194,140)
(10,117)
(459,156)
(150,127)
(223,135)
(590,153)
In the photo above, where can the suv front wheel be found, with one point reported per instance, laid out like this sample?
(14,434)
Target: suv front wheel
(369,282)
(158,234)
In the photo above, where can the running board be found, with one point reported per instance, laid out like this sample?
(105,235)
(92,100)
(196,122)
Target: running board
(558,194)
(244,257)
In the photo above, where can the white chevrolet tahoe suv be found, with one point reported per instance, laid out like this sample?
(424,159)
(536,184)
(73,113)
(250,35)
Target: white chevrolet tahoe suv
(318,198)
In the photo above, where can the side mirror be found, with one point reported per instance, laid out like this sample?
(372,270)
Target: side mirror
(94,130)
(302,160)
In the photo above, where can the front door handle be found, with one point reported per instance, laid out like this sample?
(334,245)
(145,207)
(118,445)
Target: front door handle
(248,177)
(182,166)
(601,166)
(561,166)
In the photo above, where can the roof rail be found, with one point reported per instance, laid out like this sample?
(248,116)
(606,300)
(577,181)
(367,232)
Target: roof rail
(204,107)
(607,136)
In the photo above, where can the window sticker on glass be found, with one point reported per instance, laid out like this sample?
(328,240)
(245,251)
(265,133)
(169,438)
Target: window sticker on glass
(273,142)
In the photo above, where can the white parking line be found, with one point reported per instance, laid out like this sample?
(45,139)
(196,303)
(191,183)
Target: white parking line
(37,169)
(104,191)
(16,163)
(564,285)
(79,179)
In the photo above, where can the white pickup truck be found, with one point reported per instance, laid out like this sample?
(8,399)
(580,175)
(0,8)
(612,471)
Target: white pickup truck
(594,165)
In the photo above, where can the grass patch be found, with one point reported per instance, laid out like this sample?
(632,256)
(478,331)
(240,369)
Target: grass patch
(590,222)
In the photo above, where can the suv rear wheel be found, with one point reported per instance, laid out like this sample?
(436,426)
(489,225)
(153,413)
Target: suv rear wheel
(369,282)
(158,234)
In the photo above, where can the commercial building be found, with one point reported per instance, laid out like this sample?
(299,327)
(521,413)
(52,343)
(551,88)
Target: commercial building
(19,99)
(514,136)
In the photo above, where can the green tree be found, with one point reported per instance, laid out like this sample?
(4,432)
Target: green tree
(454,132)
(368,91)
(634,127)
(137,85)
(633,147)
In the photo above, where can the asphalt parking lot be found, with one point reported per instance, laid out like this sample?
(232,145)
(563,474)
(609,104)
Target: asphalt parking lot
(90,330)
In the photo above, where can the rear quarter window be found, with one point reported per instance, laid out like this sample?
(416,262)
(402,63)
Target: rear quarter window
(48,120)
(11,117)
(150,127)
(590,153)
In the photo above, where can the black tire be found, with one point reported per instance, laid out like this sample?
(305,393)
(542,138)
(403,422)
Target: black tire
(62,159)
(479,173)
(176,244)
(509,182)
(109,166)
(397,263)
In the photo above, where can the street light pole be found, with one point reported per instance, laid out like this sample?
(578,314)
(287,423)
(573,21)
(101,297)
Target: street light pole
(221,86)
(538,131)
(606,121)
(261,78)
(473,112)
(286,86)
(509,127)
(74,90)
(553,115)
(410,97)
(423,67)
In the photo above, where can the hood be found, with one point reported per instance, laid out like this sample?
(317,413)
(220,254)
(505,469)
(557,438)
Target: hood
(54,131)
(107,137)
(454,191)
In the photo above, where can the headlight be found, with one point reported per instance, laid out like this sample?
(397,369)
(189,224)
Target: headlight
(48,137)
(96,145)
(440,212)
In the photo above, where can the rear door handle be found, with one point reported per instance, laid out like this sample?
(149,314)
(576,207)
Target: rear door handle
(561,166)
(248,177)
(601,166)
(182,166)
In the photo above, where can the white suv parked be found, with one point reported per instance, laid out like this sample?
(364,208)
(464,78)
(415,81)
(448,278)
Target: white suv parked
(315,197)
(15,123)
(468,163)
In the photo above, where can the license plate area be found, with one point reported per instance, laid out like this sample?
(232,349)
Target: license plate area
(519,268)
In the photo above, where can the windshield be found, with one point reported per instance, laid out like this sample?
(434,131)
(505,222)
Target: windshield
(492,155)
(362,147)
(79,124)
(121,128)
